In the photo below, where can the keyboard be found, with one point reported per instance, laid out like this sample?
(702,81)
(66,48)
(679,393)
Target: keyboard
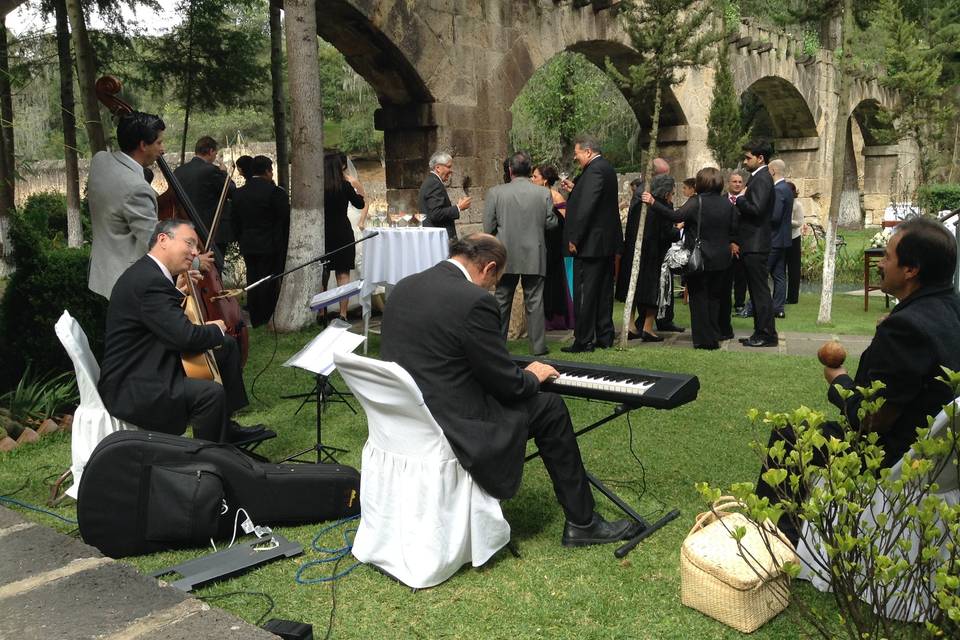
(629,386)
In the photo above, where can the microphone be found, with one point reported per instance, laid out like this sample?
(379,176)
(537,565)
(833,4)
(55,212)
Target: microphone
(195,265)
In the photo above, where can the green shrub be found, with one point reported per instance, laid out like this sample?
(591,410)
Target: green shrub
(937,197)
(37,398)
(849,263)
(46,212)
(47,280)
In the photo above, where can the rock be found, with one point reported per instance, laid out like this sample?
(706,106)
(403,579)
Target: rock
(8,444)
(47,427)
(66,422)
(28,435)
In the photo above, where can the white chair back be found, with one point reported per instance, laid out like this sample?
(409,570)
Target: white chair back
(91,421)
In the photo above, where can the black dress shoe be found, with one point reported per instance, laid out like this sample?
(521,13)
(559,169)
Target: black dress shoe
(780,314)
(577,348)
(542,353)
(670,328)
(239,433)
(597,531)
(745,340)
(710,346)
(738,309)
(633,336)
(745,313)
(649,337)
(760,342)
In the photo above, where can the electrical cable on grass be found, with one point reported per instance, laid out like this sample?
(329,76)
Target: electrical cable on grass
(36,508)
(276,342)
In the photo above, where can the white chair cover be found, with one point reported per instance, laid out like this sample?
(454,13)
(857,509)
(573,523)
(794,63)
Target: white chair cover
(813,555)
(422,515)
(91,422)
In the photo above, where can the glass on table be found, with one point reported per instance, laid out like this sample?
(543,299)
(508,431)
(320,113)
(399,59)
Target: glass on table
(407,216)
(392,216)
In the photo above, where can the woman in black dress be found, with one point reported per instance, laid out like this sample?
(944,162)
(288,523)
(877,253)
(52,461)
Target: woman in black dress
(717,229)
(339,189)
(658,225)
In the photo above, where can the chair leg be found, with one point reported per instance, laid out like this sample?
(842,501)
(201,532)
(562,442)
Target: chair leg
(57,491)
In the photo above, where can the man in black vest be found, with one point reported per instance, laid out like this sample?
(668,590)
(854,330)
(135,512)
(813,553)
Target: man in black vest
(142,379)
(485,404)
(756,208)
(594,235)
(921,334)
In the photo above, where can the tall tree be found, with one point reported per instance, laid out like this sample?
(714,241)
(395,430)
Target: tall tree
(306,186)
(669,36)
(725,135)
(86,75)
(74,225)
(6,161)
(279,102)
(843,8)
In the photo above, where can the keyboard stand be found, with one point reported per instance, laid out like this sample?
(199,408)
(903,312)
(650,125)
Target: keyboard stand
(646,528)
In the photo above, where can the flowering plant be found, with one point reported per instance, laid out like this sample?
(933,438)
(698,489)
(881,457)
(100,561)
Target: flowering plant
(880,239)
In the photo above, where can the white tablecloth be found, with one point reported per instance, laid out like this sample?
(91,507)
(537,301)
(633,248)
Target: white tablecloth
(397,253)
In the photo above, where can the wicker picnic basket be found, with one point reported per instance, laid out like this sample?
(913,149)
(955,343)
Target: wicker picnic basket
(742,585)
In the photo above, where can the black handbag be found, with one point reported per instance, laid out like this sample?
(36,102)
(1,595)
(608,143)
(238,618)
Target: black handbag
(695,261)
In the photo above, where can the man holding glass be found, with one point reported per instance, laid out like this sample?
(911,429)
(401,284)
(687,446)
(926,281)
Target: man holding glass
(434,203)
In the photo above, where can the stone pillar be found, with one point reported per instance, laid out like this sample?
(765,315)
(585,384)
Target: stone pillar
(804,169)
(879,175)
(409,137)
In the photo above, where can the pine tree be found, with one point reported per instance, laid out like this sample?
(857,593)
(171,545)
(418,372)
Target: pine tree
(725,135)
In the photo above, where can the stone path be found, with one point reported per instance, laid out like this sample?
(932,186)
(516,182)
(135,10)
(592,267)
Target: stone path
(54,586)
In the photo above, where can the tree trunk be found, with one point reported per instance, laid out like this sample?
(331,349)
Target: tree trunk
(6,163)
(647,179)
(74,224)
(306,180)
(87,76)
(188,104)
(839,162)
(279,103)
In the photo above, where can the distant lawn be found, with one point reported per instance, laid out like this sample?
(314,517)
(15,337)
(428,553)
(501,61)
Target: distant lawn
(551,592)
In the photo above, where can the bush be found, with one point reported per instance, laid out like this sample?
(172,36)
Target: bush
(46,212)
(47,280)
(933,198)
(849,264)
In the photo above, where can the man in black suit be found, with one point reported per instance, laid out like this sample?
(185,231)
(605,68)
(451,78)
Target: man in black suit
(921,334)
(142,379)
(594,235)
(756,208)
(203,181)
(485,404)
(433,201)
(781,223)
(261,223)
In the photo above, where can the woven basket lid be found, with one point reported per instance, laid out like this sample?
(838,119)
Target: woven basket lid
(713,550)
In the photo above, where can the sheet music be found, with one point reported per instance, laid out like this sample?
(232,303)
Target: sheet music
(326,298)
(317,356)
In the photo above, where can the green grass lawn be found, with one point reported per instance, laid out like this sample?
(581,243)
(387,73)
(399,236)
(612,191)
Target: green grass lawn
(551,592)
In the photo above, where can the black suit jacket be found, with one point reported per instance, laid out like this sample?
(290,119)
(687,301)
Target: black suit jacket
(593,212)
(434,203)
(460,362)
(718,227)
(261,218)
(141,380)
(920,334)
(781,227)
(203,183)
(755,209)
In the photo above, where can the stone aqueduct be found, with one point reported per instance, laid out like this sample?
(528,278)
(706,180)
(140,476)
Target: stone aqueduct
(447,72)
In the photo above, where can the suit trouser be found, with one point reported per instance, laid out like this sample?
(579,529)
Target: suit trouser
(755,265)
(209,405)
(793,270)
(706,293)
(777,264)
(231,372)
(739,279)
(593,301)
(262,300)
(724,306)
(548,423)
(533,304)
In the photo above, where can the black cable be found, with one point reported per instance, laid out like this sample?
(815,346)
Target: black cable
(17,490)
(276,341)
(219,596)
(333,597)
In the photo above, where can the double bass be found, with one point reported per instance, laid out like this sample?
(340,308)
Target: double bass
(174,203)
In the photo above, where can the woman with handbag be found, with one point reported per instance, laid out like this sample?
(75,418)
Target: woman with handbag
(710,228)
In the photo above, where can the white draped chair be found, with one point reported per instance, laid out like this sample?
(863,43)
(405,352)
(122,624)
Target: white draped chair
(91,422)
(898,606)
(422,516)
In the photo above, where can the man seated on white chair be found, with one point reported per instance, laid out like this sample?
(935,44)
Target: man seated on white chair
(443,326)
(142,379)
(921,334)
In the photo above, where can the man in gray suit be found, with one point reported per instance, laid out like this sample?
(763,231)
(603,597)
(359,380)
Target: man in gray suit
(518,213)
(123,205)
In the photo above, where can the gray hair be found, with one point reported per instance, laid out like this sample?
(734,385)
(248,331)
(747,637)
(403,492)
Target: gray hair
(166,227)
(661,185)
(439,157)
(778,166)
(588,142)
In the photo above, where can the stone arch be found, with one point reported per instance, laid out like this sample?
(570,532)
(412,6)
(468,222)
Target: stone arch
(789,112)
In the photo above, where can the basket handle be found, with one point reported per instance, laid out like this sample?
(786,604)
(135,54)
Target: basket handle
(720,505)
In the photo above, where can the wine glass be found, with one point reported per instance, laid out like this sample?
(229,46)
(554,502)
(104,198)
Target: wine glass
(407,217)
(392,215)
(381,214)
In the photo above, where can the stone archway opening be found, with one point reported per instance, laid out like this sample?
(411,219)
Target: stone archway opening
(875,159)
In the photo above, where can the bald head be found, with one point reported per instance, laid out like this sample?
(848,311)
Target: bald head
(660,166)
(777,168)
(483,256)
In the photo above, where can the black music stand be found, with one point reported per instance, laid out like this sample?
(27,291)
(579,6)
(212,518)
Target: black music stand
(646,528)
(317,358)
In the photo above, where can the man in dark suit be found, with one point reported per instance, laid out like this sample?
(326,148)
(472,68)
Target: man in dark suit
(261,221)
(433,201)
(781,227)
(203,181)
(486,406)
(517,213)
(142,379)
(594,235)
(921,334)
(756,208)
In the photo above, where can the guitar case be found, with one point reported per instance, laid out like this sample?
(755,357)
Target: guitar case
(143,492)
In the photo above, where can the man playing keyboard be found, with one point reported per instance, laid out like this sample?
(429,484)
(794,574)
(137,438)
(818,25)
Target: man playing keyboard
(443,326)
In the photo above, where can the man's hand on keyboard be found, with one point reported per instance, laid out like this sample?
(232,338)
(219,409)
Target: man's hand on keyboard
(543,372)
